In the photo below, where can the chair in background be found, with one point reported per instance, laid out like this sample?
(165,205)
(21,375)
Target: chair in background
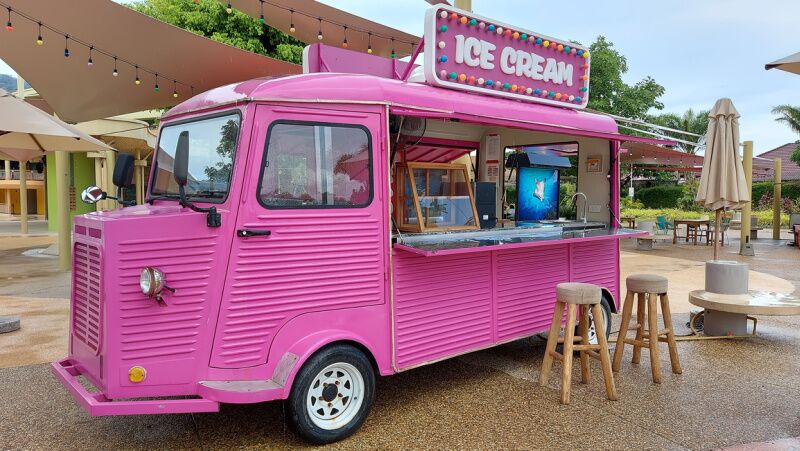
(723,230)
(663,225)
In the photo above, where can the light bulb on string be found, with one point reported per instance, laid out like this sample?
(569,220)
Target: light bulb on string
(90,63)
(319,35)
(291,21)
(175,89)
(9,27)
(66,46)
(261,18)
(344,43)
(393,55)
(229,8)
(39,40)
(116,72)
(369,43)
(137,81)
(155,88)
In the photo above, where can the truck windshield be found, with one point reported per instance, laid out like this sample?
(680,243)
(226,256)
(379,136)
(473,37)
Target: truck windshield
(212,144)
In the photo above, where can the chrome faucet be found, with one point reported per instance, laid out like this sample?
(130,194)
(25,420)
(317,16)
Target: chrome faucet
(585,202)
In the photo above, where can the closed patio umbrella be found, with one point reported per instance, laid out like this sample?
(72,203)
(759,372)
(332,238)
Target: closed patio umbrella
(722,181)
(26,133)
(790,64)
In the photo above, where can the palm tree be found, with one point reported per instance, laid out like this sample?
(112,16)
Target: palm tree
(690,121)
(789,115)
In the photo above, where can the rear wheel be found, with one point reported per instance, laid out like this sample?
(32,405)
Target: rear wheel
(332,394)
(605,308)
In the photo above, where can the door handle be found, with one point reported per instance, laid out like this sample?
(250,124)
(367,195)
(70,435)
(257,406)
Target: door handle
(244,233)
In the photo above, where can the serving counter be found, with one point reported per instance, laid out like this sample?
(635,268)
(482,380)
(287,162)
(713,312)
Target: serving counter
(509,238)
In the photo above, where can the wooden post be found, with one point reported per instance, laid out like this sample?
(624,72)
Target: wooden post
(23,197)
(776,203)
(717,225)
(62,203)
(98,175)
(466,5)
(747,162)
(111,159)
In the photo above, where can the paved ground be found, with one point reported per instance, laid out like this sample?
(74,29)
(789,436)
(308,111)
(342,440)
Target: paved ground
(485,400)
(731,392)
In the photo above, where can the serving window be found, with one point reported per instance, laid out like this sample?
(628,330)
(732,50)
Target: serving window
(434,197)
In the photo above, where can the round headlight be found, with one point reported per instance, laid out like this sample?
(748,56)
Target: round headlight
(151,281)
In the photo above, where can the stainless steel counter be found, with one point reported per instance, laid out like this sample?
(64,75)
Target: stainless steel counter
(520,236)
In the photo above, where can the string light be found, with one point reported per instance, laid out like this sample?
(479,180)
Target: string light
(39,40)
(9,27)
(137,81)
(262,12)
(319,35)
(90,63)
(155,88)
(393,54)
(66,46)
(291,21)
(369,43)
(116,72)
(229,8)
(344,43)
(175,89)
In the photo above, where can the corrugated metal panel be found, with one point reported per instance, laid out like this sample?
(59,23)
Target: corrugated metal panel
(149,330)
(87,305)
(314,260)
(596,262)
(442,305)
(526,287)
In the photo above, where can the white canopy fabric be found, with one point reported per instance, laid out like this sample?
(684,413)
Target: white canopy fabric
(722,182)
(78,92)
(124,135)
(277,14)
(790,64)
(26,132)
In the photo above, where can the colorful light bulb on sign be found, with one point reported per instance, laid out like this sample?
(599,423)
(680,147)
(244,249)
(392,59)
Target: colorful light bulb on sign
(473,53)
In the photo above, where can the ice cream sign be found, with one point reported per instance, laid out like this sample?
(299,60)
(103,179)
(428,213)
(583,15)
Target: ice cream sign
(468,52)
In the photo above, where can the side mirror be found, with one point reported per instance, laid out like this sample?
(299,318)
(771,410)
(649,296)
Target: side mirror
(93,194)
(123,170)
(180,167)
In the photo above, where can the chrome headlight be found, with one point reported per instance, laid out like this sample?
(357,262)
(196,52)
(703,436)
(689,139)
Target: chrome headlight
(151,281)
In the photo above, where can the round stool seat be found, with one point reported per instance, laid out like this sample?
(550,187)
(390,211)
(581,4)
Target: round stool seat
(647,283)
(578,293)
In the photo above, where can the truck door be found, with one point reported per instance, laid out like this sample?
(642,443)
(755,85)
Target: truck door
(310,233)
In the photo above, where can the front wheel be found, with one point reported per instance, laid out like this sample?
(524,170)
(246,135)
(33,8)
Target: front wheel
(332,394)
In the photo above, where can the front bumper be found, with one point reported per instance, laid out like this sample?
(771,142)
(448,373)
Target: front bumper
(97,405)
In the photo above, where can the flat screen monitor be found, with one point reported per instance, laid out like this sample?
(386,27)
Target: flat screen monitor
(537,194)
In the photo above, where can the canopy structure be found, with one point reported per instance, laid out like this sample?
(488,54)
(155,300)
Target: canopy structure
(790,64)
(303,16)
(185,63)
(639,153)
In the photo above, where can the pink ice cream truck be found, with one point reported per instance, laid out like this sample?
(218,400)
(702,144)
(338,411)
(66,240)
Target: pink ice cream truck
(303,235)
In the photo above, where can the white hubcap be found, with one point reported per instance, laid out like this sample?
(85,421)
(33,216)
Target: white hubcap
(593,328)
(335,396)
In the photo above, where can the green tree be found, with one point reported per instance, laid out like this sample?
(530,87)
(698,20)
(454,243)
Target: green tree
(210,19)
(690,121)
(610,94)
(790,115)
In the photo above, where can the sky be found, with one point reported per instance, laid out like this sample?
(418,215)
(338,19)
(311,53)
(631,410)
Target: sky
(699,50)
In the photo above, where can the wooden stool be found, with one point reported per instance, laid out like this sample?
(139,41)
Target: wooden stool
(577,296)
(647,287)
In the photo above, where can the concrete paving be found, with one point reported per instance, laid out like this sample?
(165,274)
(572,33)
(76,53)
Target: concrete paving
(731,393)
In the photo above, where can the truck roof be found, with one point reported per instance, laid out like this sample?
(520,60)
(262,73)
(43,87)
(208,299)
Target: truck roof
(402,97)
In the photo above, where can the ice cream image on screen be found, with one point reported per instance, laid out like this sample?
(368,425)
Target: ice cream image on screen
(539,191)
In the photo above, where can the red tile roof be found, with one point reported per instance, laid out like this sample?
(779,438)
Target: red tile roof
(789,169)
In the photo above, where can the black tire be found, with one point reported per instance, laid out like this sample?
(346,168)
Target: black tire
(605,304)
(300,398)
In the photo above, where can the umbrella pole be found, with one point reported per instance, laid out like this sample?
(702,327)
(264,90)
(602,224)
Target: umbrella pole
(23,197)
(717,225)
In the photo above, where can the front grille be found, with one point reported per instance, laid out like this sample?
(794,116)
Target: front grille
(87,307)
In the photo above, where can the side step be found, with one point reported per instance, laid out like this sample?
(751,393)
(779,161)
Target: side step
(241,392)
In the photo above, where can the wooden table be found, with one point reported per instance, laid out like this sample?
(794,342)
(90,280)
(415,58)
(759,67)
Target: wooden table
(692,228)
(631,220)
